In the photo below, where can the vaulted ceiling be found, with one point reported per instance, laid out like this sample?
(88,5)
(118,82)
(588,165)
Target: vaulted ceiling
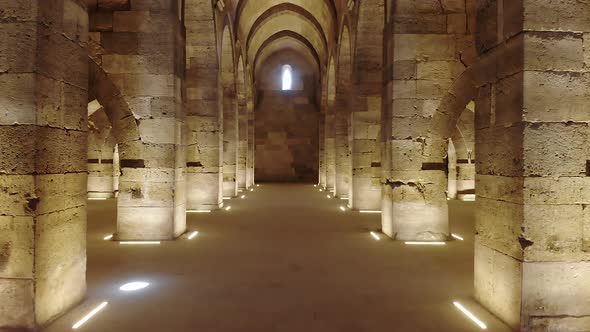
(265,27)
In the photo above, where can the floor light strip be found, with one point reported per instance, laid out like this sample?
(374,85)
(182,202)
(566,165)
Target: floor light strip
(457,237)
(470,315)
(134,286)
(243,196)
(329,196)
(227,208)
(321,189)
(342,208)
(426,243)
(370,211)
(344,198)
(193,235)
(97,198)
(139,242)
(89,315)
(108,237)
(375,236)
(198,211)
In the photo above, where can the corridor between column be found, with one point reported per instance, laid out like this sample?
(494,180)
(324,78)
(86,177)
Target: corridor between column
(283,258)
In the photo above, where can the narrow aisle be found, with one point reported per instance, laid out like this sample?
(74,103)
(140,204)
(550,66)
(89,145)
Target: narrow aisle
(284,259)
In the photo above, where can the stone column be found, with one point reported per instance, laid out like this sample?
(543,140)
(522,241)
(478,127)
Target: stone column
(365,191)
(342,155)
(322,152)
(43,160)
(532,252)
(142,59)
(230,138)
(243,141)
(251,141)
(204,172)
(330,151)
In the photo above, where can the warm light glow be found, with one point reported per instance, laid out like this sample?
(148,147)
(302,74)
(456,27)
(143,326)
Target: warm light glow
(198,211)
(342,208)
(468,198)
(370,211)
(257,185)
(133,286)
(375,236)
(321,189)
(315,185)
(193,235)
(328,196)
(426,243)
(227,198)
(108,237)
(287,78)
(470,315)
(243,196)
(89,315)
(139,242)
(251,189)
(227,208)
(343,198)
(97,198)
(457,237)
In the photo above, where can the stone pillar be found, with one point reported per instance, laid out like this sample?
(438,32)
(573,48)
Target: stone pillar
(330,152)
(230,139)
(141,59)
(532,252)
(243,141)
(322,155)
(251,141)
(365,191)
(342,155)
(204,169)
(452,175)
(43,160)
(101,145)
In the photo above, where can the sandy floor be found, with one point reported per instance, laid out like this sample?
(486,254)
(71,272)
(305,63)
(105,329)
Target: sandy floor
(284,259)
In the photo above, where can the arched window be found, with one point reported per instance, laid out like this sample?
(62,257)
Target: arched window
(287,78)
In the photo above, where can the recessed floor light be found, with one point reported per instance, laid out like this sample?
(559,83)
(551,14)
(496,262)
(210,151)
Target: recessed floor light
(257,185)
(227,208)
(139,242)
(329,196)
(426,243)
(243,196)
(315,185)
(457,237)
(321,189)
(198,211)
(97,198)
(89,315)
(108,237)
(343,198)
(375,236)
(342,208)
(134,286)
(370,211)
(227,197)
(193,235)
(251,189)
(470,315)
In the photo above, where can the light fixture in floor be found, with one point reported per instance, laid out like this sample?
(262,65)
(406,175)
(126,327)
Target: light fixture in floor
(198,211)
(251,189)
(193,235)
(321,189)
(315,185)
(134,286)
(257,185)
(227,197)
(375,236)
(108,237)
(227,208)
(243,196)
(139,242)
(470,315)
(342,208)
(468,198)
(97,198)
(426,243)
(457,237)
(329,196)
(344,198)
(89,315)
(370,211)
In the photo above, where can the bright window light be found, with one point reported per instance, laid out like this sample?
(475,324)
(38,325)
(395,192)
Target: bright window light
(139,242)
(375,236)
(457,237)
(134,286)
(370,211)
(89,315)
(470,315)
(425,243)
(287,78)
(193,235)
(108,237)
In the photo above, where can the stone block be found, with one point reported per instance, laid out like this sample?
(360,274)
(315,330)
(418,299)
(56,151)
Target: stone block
(499,226)
(19,104)
(135,223)
(19,47)
(16,248)
(17,308)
